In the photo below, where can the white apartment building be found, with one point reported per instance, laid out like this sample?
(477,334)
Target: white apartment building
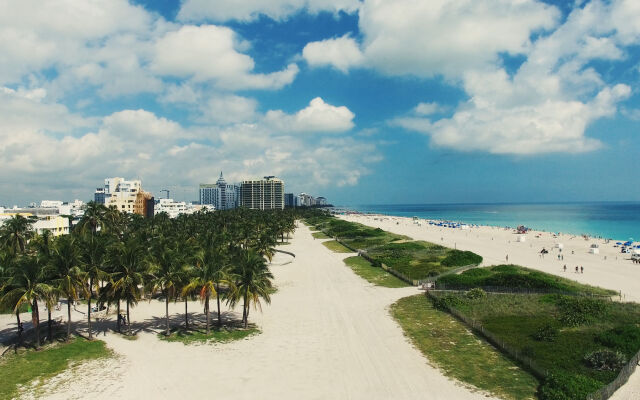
(221,195)
(175,208)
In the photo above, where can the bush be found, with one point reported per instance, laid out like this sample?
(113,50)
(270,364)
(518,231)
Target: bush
(624,338)
(546,333)
(447,302)
(559,386)
(576,311)
(458,258)
(476,293)
(605,360)
(505,268)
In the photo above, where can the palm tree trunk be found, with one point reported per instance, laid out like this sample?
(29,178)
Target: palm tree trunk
(186,314)
(119,316)
(218,299)
(36,321)
(166,306)
(128,318)
(19,328)
(68,319)
(206,309)
(89,307)
(246,309)
(50,323)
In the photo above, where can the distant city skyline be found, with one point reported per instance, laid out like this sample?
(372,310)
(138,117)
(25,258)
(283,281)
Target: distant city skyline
(359,101)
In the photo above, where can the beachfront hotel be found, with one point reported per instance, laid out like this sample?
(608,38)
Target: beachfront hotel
(221,195)
(126,196)
(263,194)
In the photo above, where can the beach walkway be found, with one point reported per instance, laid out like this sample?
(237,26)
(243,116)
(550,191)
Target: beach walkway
(327,335)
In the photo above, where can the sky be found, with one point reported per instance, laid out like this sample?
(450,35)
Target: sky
(359,101)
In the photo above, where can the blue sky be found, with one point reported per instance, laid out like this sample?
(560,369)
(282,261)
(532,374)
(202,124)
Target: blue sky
(359,101)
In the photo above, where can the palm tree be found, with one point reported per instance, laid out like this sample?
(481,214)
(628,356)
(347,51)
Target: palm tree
(92,251)
(253,281)
(69,279)
(94,217)
(15,233)
(129,273)
(167,270)
(203,281)
(27,285)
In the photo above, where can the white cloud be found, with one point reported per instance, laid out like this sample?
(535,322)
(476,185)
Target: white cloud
(141,124)
(35,35)
(318,116)
(53,148)
(247,10)
(438,37)
(209,53)
(545,127)
(342,53)
(228,109)
(428,108)
(549,102)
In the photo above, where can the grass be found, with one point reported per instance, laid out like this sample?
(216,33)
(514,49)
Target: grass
(514,276)
(320,235)
(373,274)
(419,259)
(415,259)
(336,247)
(22,368)
(223,335)
(357,235)
(516,318)
(449,345)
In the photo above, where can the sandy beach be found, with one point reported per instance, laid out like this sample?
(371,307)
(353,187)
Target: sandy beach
(610,269)
(327,335)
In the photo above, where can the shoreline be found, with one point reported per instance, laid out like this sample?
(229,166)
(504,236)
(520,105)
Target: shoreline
(408,213)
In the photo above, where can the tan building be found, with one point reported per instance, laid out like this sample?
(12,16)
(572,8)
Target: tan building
(127,196)
(263,194)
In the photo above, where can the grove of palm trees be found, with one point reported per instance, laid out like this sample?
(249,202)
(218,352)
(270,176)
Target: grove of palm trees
(114,260)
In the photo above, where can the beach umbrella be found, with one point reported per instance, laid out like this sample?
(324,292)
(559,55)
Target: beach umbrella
(618,242)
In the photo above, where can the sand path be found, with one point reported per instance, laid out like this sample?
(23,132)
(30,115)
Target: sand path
(327,335)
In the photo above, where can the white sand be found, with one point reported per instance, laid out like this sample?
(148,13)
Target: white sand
(615,272)
(327,335)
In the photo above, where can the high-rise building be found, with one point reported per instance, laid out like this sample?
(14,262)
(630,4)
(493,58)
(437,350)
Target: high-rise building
(221,195)
(290,200)
(263,194)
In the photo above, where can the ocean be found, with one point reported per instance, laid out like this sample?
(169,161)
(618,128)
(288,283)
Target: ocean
(616,220)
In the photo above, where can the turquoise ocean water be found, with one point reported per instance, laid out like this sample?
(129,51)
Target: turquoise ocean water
(616,220)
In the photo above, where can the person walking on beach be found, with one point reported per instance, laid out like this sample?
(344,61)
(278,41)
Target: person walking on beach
(565,268)
(581,269)
(576,269)
(507,257)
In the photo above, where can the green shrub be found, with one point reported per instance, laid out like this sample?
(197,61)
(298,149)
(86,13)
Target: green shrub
(546,333)
(447,302)
(505,268)
(605,360)
(559,386)
(458,258)
(476,293)
(576,311)
(625,338)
